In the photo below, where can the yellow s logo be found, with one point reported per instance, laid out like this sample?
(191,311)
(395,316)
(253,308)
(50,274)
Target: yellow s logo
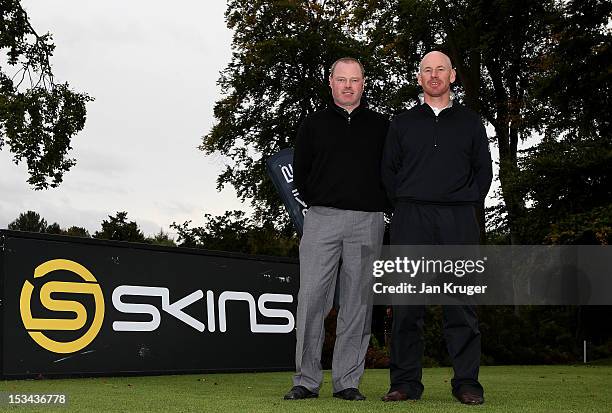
(90,286)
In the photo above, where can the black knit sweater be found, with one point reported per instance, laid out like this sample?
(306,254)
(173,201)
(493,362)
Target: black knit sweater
(440,159)
(337,159)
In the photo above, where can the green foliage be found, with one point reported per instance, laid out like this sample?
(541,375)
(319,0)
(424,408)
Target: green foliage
(282,52)
(38,117)
(118,228)
(161,238)
(54,229)
(227,232)
(32,221)
(567,178)
(377,356)
(551,333)
(494,46)
(568,184)
(77,232)
(535,335)
(527,67)
(574,75)
(29,221)
(233,231)
(592,227)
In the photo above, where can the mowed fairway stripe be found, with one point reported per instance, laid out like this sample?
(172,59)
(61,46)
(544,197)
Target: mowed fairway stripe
(507,389)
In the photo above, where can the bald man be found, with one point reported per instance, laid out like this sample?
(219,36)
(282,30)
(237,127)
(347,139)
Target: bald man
(436,168)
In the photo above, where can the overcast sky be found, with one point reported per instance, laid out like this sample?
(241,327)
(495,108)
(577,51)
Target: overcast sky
(152,68)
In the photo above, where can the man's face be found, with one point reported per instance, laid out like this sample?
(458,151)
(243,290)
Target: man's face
(436,75)
(346,84)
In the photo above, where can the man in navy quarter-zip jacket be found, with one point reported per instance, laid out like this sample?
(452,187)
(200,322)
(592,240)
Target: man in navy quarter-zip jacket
(336,169)
(436,169)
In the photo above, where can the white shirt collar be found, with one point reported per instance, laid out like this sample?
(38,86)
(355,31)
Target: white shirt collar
(438,110)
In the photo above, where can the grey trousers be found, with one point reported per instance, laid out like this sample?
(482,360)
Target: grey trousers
(329,235)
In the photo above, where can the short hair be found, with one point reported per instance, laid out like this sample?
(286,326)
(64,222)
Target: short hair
(346,60)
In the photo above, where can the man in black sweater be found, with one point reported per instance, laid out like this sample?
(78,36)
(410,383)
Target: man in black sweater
(436,168)
(337,171)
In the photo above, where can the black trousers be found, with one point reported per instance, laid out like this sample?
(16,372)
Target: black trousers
(417,224)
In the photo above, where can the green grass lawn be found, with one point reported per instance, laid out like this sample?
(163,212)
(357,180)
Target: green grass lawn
(507,389)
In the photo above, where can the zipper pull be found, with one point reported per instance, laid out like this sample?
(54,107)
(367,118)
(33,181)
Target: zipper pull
(436,135)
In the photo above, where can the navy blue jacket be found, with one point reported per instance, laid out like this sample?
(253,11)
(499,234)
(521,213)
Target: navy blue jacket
(442,159)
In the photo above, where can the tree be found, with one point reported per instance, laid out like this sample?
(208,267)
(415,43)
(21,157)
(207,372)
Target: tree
(567,178)
(38,117)
(161,238)
(495,47)
(277,76)
(118,228)
(235,232)
(227,232)
(77,232)
(29,221)
(532,69)
(32,221)
(492,46)
(54,229)
(574,75)
(568,184)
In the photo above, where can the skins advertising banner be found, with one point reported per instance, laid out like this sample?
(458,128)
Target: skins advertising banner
(280,170)
(83,306)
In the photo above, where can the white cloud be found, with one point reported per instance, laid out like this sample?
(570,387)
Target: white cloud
(152,67)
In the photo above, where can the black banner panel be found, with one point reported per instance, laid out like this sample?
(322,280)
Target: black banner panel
(280,170)
(81,306)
